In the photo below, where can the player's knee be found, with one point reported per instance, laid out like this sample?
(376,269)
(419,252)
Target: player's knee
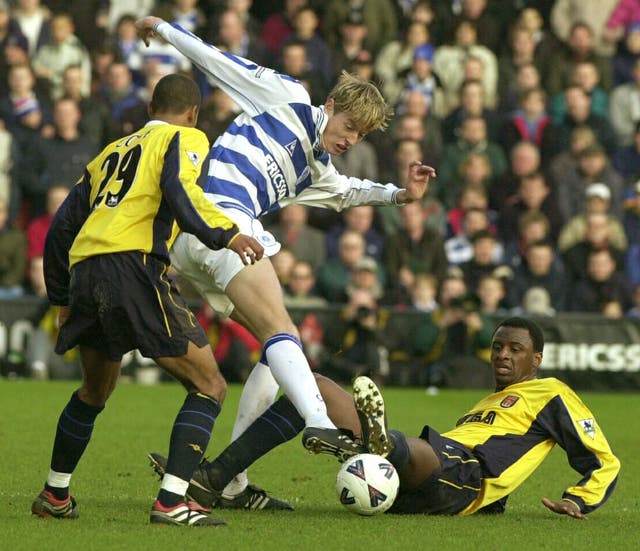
(212,384)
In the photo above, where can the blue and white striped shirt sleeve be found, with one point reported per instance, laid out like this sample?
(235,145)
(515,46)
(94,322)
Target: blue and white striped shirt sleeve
(252,87)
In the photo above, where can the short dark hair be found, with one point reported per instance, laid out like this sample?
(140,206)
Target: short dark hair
(175,94)
(537,338)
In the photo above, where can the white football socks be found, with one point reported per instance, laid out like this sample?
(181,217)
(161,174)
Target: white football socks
(290,368)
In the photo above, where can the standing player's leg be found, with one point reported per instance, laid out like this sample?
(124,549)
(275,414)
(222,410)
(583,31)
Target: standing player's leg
(198,372)
(73,433)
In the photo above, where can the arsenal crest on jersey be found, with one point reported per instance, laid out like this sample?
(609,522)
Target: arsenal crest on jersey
(509,401)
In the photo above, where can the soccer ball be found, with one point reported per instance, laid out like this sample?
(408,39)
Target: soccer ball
(367,484)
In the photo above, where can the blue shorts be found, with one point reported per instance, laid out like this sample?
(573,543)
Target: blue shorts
(448,491)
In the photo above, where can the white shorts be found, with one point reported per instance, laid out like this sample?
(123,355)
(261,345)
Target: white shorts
(211,271)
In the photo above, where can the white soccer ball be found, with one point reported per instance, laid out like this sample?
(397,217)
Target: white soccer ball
(367,484)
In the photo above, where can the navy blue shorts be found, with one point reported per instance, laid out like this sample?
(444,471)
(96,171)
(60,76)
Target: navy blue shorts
(125,301)
(448,491)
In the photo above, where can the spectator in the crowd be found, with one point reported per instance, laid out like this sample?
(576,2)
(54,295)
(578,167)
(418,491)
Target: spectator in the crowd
(627,55)
(624,107)
(483,261)
(300,292)
(351,44)
(216,114)
(64,50)
(414,104)
(13,45)
(25,111)
(593,167)
(295,63)
(423,294)
(534,194)
(580,47)
(293,231)
(531,123)
(415,248)
(527,77)
(279,25)
(359,337)
(128,47)
(450,59)
(593,14)
(34,21)
(520,51)
(459,248)
(8,155)
(604,283)
(233,36)
(596,237)
(585,75)
(395,60)
(244,10)
(488,27)
(533,226)
(452,340)
(378,15)
(359,219)
(473,139)
(491,295)
(598,199)
(579,114)
(57,160)
(38,227)
(474,169)
(546,42)
(119,91)
(319,60)
(118,8)
(473,196)
(472,104)
(95,120)
(565,161)
(524,160)
(13,256)
(421,78)
(334,275)
(623,16)
(539,270)
(632,228)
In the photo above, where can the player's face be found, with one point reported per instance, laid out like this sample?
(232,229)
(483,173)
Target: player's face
(340,133)
(512,356)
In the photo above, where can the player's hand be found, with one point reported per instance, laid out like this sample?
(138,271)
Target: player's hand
(564,507)
(63,315)
(247,248)
(144,28)
(417,183)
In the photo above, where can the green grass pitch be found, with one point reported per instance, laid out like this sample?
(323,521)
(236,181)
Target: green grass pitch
(115,487)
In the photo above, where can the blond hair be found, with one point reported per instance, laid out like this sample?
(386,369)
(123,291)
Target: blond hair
(362,101)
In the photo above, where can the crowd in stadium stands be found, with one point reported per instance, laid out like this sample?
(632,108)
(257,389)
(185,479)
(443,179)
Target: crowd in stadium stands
(529,111)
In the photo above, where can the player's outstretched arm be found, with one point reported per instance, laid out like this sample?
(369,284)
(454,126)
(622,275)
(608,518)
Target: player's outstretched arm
(417,183)
(564,507)
(247,248)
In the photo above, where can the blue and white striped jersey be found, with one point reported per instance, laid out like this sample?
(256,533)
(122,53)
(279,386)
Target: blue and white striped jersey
(270,156)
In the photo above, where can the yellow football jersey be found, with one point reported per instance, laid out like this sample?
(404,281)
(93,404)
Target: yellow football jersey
(138,186)
(513,430)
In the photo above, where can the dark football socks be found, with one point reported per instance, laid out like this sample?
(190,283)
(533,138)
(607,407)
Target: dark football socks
(399,455)
(279,424)
(189,440)
(73,433)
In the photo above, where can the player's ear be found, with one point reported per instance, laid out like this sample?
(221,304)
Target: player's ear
(537,359)
(329,105)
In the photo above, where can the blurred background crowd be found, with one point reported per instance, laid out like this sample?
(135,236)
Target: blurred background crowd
(529,111)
